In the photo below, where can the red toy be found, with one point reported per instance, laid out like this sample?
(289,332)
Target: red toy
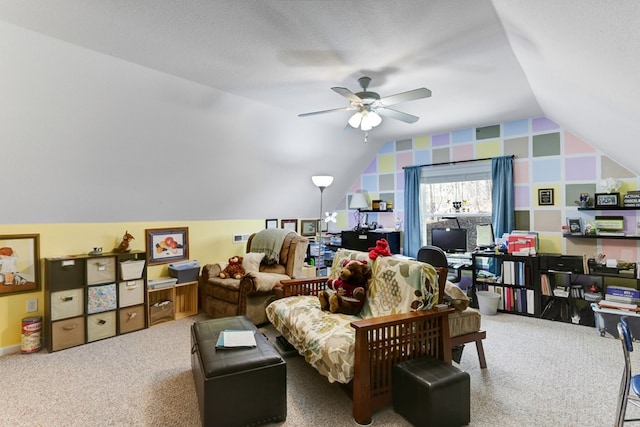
(381,249)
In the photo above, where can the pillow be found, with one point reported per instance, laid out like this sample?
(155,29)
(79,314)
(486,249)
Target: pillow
(251,262)
(456,297)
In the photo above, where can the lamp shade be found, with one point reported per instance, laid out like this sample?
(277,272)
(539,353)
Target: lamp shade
(358,201)
(365,120)
(322,181)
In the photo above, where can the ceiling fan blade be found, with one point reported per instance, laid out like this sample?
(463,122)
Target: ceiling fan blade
(347,94)
(398,115)
(326,111)
(405,96)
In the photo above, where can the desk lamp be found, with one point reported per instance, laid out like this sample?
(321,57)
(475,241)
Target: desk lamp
(358,201)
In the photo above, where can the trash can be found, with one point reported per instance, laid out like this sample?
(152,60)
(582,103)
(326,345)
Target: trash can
(488,302)
(31,334)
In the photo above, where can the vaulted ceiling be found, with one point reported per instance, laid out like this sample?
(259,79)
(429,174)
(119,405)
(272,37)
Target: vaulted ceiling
(486,61)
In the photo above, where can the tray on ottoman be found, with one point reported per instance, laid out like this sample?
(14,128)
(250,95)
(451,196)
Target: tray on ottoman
(237,387)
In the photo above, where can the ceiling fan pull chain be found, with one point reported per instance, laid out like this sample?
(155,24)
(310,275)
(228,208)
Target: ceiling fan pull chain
(366,135)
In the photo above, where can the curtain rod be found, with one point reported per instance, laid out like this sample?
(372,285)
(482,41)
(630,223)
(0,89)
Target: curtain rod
(454,162)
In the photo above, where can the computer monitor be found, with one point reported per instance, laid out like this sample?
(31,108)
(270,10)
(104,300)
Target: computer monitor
(484,236)
(449,239)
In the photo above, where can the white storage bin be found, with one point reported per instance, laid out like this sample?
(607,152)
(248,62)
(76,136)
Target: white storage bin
(101,325)
(67,303)
(131,269)
(101,270)
(131,292)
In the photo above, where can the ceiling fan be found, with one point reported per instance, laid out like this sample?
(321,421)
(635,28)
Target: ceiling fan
(368,106)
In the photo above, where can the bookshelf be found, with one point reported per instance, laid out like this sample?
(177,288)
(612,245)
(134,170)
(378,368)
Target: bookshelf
(514,277)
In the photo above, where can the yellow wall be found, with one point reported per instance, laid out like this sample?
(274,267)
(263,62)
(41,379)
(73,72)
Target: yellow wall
(209,241)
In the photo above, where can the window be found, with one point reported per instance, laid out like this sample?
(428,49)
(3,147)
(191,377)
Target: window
(467,183)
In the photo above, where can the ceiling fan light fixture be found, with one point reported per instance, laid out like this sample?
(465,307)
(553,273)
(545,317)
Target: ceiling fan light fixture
(355,120)
(370,119)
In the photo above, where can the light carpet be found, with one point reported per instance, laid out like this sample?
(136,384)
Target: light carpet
(540,373)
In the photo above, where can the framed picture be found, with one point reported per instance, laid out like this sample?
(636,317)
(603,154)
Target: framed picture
(289,224)
(545,197)
(607,200)
(165,245)
(575,226)
(309,227)
(271,223)
(20,263)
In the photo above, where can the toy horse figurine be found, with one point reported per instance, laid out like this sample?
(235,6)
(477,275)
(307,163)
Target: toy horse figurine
(124,245)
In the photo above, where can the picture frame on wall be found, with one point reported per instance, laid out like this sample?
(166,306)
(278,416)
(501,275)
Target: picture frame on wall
(20,262)
(165,245)
(308,227)
(575,226)
(271,223)
(289,224)
(545,197)
(607,200)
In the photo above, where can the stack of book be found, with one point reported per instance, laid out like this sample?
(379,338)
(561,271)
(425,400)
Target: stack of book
(631,199)
(621,298)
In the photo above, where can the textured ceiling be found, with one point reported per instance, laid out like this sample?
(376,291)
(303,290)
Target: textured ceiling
(574,61)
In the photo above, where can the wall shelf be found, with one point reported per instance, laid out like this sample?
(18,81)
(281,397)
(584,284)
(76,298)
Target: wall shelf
(610,208)
(376,211)
(597,236)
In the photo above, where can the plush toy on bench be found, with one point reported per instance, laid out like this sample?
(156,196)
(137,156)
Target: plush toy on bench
(350,287)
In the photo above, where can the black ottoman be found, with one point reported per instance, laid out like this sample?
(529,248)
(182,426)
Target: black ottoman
(237,387)
(429,392)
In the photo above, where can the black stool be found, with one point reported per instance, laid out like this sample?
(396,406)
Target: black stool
(429,392)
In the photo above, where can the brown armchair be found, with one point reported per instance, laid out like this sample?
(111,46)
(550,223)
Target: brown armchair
(250,295)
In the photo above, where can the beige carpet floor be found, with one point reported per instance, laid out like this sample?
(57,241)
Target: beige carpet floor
(540,373)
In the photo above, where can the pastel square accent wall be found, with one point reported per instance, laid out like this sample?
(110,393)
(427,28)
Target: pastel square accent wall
(546,156)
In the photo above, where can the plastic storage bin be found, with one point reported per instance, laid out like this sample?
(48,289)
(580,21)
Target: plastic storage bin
(185,271)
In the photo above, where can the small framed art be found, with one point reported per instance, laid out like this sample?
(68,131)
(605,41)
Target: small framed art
(165,245)
(289,224)
(545,197)
(271,223)
(309,227)
(575,226)
(607,200)
(20,262)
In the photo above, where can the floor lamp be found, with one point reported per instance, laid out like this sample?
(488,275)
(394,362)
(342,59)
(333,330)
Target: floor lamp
(322,182)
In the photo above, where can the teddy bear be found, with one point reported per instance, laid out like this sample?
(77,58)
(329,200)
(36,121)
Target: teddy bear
(381,249)
(350,289)
(234,270)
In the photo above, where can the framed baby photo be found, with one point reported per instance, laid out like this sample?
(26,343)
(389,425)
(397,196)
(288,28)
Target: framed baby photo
(19,263)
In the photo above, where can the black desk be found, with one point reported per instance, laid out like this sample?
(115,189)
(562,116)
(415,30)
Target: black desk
(362,241)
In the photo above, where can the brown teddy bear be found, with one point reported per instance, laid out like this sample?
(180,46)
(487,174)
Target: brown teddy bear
(350,289)
(234,270)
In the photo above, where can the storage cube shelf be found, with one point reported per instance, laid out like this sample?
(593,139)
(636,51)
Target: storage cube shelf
(93,297)
(183,298)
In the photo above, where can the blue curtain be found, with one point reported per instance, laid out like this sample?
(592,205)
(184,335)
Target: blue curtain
(502,198)
(411,210)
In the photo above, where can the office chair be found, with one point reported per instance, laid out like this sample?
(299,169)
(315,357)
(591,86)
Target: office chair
(630,383)
(433,255)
